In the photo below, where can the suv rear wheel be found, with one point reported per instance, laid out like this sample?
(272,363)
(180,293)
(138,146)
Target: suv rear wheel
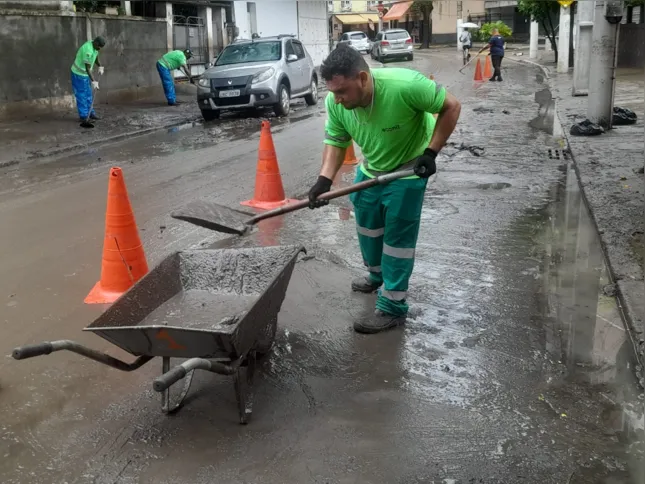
(281,108)
(312,98)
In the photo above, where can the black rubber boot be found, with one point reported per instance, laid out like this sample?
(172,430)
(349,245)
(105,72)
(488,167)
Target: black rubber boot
(499,79)
(94,116)
(492,79)
(377,323)
(364,284)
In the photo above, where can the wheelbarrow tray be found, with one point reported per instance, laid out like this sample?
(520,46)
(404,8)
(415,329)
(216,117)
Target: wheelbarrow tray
(218,303)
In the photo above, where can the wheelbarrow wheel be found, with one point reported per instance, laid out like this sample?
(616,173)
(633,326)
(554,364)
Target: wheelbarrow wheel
(171,403)
(267,338)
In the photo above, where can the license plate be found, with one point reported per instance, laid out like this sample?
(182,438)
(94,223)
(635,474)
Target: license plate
(397,46)
(231,93)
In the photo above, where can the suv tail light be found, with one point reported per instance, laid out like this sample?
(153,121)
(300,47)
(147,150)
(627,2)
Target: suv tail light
(385,43)
(408,41)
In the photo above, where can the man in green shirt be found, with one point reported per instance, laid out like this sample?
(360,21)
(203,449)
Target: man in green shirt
(389,113)
(175,59)
(83,81)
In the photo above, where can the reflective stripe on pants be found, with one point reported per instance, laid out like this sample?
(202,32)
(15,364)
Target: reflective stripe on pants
(82,88)
(388,219)
(167,82)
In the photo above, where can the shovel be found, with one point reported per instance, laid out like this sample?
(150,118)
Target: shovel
(230,221)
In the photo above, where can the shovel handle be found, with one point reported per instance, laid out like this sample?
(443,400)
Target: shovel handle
(341,192)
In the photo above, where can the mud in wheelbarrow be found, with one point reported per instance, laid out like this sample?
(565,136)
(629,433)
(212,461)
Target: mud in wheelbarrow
(219,308)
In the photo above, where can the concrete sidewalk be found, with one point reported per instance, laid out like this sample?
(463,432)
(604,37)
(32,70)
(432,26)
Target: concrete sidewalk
(59,132)
(610,171)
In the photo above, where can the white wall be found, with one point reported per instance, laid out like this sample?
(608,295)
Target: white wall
(314,29)
(273,17)
(307,20)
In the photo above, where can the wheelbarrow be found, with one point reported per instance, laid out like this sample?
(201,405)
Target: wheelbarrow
(218,308)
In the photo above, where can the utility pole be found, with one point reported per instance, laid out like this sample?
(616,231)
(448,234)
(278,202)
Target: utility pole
(565,35)
(583,48)
(604,45)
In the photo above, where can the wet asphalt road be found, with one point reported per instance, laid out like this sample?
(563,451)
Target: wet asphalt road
(513,367)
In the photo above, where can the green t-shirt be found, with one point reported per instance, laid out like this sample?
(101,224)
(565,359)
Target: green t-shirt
(87,54)
(173,59)
(401,124)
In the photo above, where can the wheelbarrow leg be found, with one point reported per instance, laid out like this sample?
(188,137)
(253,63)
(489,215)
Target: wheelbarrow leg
(244,390)
(168,406)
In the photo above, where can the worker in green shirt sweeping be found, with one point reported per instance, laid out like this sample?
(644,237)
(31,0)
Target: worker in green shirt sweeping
(83,81)
(175,59)
(389,114)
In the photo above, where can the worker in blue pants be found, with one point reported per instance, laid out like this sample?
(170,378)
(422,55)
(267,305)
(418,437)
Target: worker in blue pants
(83,81)
(175,59)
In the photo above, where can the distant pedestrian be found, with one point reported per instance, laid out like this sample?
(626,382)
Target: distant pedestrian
(83,82)
(496,46)
(175,59)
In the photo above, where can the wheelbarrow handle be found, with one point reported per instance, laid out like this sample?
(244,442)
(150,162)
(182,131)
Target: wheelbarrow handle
(29,351)
(341,192)
(169,378)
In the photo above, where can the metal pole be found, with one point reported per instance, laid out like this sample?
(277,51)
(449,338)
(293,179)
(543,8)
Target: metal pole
(459,31)
(533,45)
(563,44)
(603,61)
(582,59)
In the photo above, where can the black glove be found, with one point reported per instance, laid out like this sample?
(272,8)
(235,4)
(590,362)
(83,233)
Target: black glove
(322,185)
(425,165)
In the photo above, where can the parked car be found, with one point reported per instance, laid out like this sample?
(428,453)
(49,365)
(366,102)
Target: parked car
(390,44)
(262,72)
(357,40)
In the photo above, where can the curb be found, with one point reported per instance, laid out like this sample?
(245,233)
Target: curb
(623,294)
(109,139)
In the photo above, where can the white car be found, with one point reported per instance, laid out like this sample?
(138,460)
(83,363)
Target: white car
(392,44)
(357,40)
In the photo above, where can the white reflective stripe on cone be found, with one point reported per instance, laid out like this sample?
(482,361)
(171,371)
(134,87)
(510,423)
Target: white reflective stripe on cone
(394,295)
(370,232)
(398,253)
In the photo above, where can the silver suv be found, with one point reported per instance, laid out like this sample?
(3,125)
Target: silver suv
(357,40)
(394,43)
(267,71)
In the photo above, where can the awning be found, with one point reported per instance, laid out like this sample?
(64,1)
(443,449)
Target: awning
(397,11)
(355,18)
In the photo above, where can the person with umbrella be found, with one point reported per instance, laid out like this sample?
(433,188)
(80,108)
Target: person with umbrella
(466,39)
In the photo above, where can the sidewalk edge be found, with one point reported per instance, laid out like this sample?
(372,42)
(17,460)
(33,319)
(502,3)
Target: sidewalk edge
(626,291)
(109,139)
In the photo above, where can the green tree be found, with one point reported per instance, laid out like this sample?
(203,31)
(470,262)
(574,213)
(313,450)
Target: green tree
(424,8)
(545,12)
(486,31)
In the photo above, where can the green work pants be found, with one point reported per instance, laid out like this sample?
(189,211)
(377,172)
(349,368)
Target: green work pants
(387,219)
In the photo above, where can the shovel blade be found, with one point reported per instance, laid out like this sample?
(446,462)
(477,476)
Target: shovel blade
(214,216)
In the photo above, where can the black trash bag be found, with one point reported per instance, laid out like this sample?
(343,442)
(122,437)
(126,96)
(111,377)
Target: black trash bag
(586,128)
(623,116)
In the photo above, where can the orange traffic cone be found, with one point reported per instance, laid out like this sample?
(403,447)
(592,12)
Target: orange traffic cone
(488,68)
(478,71)
(350,156)
(269,192)
(124,261)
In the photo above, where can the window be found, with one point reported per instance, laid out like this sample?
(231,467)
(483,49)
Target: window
(249,52)
(346,4)
(371,4)
(300,51)
(289,50)
(360,36)
(330,6)
(397,35)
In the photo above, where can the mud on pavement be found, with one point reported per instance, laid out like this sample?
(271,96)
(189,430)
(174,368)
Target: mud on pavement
(514,366)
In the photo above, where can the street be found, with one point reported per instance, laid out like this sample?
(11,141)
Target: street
(513,367)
